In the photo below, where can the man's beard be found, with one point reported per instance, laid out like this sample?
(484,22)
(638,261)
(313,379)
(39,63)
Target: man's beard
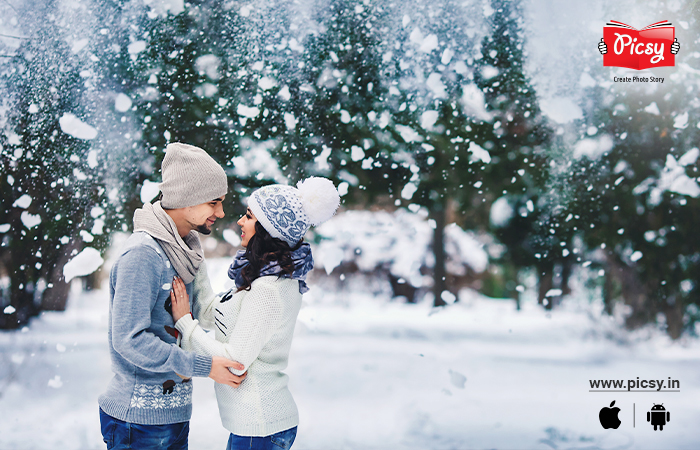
(204,229)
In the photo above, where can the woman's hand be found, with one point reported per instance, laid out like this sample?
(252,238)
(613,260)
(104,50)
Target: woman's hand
(180,299)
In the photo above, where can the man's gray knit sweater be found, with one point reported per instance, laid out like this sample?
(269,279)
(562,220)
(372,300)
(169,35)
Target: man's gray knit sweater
(146,360)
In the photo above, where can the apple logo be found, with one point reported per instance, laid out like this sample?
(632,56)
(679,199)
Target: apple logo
(608,417)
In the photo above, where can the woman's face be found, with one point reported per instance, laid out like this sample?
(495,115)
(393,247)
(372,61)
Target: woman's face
(247,224)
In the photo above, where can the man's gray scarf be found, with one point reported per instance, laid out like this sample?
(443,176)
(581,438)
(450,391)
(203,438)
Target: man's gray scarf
(184,254)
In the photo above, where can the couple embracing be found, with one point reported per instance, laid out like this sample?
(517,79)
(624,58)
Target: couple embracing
(161,301)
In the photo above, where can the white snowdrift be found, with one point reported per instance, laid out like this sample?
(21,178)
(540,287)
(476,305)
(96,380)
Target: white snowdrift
(399,241)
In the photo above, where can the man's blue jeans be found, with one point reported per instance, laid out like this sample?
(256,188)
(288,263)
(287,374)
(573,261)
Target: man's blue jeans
(120,435)
(282,440)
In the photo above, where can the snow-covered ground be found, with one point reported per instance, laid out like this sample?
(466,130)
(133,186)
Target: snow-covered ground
(371,374)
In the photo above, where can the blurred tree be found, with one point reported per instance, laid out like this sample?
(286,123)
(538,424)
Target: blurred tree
(165,66)
(478,137)
(53,199)
(638,199)
(439,125)
(187,85)
(404,104)
(633,193)
(521,213)
(340,103)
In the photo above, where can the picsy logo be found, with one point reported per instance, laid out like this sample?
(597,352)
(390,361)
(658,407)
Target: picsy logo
(653,46)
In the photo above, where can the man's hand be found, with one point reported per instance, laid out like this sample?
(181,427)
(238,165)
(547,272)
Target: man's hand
(602,47)
(221,374)
(675,47)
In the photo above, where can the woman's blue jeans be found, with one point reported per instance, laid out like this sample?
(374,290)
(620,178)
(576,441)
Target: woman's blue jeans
(119,435)
(282,440)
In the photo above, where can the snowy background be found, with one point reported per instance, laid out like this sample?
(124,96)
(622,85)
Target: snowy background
(369,371)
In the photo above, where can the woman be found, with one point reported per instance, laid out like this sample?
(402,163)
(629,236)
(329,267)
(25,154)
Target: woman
(254,322)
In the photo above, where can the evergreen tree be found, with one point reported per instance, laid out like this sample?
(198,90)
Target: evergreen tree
(632,192)
(639,201)
(519,144)
(339,103)
(54,202)
(438,131)
(188,86)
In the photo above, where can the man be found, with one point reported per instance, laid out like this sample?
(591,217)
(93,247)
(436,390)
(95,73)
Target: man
(148,402)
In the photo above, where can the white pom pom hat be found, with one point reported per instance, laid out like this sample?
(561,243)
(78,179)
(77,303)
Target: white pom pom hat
(287,212)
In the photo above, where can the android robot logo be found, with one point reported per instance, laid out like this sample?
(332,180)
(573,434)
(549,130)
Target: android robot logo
(658,416)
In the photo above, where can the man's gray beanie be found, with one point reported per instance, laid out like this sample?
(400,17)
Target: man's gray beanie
(190,177)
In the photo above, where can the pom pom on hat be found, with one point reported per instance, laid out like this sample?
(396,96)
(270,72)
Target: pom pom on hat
(319,198)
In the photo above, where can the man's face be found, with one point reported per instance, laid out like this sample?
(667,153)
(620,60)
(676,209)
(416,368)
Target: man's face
(202,217)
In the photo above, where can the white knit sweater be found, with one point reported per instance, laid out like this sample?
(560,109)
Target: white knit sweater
(254,328)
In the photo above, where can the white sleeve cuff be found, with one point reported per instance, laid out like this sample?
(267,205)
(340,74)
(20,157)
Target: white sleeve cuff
(186,326)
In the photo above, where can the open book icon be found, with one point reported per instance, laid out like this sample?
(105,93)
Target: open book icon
(639,49)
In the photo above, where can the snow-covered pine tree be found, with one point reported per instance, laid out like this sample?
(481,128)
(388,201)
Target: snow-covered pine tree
(519,142)
(53,195)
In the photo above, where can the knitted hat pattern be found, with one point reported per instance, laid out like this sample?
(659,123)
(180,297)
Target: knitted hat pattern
(190,177)
(287,212)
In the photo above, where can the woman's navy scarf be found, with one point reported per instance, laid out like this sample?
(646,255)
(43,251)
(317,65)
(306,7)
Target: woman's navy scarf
(303,263)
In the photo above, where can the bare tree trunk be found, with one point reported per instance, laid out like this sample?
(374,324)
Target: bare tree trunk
(634,292)
(608,295)
(93,281)
(56,294)
(546,282)
(674,319)
(402,289)
(565,277)
(24,310)
(511,283)
(439,272)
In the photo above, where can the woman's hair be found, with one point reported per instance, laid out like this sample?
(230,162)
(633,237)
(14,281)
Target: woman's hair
(262,249)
